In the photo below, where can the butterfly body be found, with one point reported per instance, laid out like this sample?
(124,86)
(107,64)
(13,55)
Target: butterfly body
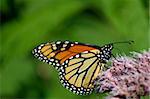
(78,64)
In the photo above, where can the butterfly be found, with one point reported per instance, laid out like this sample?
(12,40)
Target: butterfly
(78,64)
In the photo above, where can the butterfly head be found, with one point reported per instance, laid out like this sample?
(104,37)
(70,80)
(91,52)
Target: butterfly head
(106,52)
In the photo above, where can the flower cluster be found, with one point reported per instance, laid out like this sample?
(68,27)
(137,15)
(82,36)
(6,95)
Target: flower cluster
(127,78)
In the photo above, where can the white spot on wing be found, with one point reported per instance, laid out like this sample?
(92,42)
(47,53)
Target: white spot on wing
(39,47)
(58,42)
(64,45)
(77,56)
(57,64)
(52,60)
(72,44)
(85,52)
(76,42)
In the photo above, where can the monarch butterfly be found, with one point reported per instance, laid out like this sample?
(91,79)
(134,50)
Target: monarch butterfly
(78,64)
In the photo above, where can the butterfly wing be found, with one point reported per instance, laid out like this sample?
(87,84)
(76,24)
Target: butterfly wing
(78,64)
(56,53)
(78,72)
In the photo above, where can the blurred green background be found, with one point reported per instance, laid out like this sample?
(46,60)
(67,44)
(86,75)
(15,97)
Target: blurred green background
(27,23)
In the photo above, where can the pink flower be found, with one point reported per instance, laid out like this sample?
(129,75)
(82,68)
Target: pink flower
(128,77)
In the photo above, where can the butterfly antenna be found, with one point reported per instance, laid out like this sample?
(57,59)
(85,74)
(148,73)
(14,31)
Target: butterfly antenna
(113,56)
(128,42)
(118,49)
